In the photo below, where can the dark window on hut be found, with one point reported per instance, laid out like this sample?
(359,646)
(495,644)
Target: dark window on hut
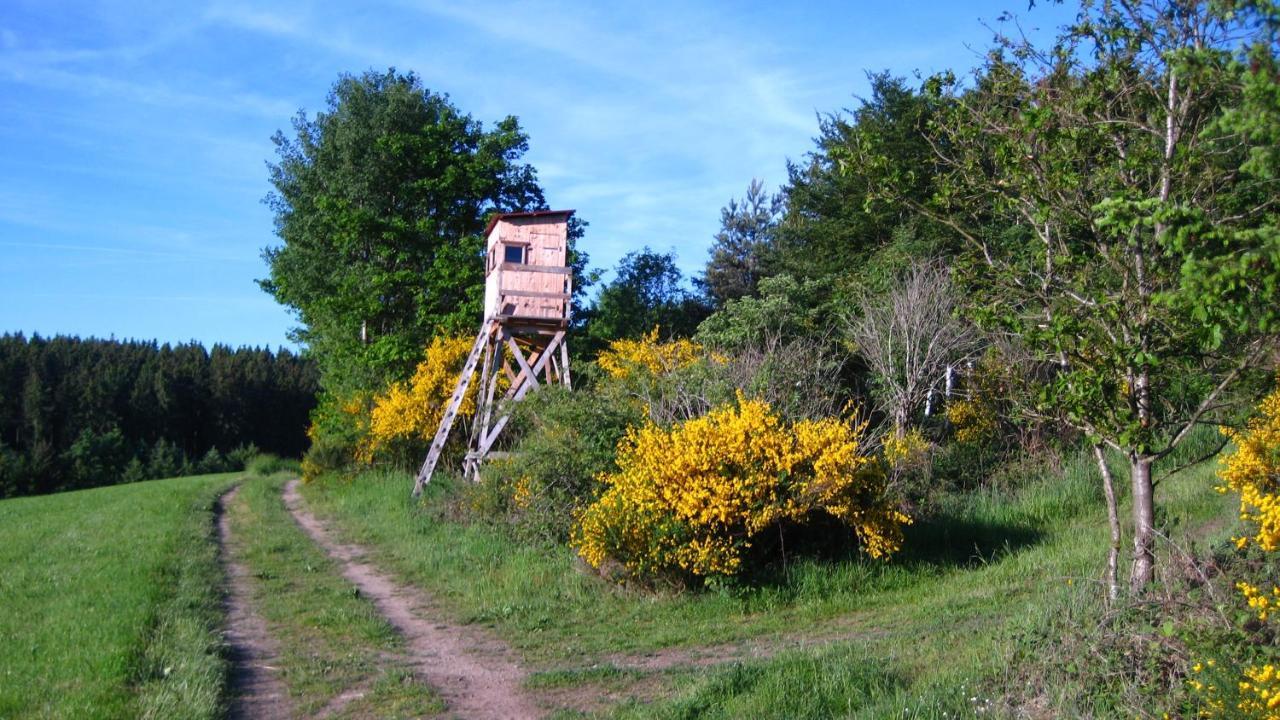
(513,254)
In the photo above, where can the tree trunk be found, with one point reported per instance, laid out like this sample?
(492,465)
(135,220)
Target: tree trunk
(1144,531)
(1113,521)
(900,417)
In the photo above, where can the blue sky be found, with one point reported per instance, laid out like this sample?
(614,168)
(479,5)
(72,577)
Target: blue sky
(134,136)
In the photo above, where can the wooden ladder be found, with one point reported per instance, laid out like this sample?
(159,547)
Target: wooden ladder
(451,412)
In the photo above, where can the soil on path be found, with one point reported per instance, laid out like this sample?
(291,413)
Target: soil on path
(256,689)
(474,672)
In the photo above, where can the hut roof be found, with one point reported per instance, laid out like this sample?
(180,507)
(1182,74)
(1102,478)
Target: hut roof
(528,214)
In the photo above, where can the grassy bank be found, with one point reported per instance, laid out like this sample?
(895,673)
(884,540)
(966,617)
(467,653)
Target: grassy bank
(911,637)
(110,602)
(332,641)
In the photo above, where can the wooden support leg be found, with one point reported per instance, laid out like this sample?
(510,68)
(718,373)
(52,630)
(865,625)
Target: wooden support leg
(564,364)
(477,431)
(525,371)
(517,392)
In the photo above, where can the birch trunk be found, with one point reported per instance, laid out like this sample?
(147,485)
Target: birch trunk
(1144,531)
(1113,521)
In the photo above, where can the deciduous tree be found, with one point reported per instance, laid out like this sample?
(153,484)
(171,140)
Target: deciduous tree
(379,203)
(1130,167)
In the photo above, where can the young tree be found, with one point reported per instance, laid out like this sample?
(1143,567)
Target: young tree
(1105,188)
(379,203)
(741,249)
(908,337)
(647,290)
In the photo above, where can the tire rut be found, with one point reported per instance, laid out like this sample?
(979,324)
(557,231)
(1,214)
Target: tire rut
(256,690)
(474,672)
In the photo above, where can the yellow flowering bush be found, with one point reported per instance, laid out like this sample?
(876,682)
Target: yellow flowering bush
(904,448)
(625,358)
(690,499)
(972,420)
(412,410)
(1253,471)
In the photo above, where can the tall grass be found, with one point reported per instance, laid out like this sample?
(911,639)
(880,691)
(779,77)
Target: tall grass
(110,602)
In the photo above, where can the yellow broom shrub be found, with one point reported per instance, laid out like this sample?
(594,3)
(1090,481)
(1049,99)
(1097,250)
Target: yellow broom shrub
(412,410)
(691,498)
(625,358)
(1253,471)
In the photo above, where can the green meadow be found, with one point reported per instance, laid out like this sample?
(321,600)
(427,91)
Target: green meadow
(112,602)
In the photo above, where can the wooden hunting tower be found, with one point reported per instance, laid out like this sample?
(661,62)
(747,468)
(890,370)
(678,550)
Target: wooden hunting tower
(528,288)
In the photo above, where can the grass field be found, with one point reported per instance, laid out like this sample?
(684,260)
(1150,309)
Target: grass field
(911,638)
(110,602)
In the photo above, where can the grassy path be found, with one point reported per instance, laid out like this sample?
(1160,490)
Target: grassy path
(110,602)
(256,690)
(338,656)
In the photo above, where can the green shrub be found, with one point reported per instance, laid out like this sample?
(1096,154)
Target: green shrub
(326,456)
(165,460)
(240,456)
(264,464)
(97,458)
(135,471)
(565,440)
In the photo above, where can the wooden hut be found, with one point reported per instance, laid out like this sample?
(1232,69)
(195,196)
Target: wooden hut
(527,275)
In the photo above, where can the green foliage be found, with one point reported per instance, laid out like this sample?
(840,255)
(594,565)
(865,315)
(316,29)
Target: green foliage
(265,464)
(565,441)
(239,456)
(743,250)
(326,456)
(1106,213)
(380,201)
(97,458)
(647,291)
(837,213)
(1119,221)
(165,460)
(785,308)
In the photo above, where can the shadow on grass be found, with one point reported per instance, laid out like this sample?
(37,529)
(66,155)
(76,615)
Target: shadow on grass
(942,541)
(949,541)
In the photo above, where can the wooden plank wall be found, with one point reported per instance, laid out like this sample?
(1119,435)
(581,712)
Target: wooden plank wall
(547,248)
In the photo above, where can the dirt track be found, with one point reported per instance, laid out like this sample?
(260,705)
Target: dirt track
(256,689)
(474,672)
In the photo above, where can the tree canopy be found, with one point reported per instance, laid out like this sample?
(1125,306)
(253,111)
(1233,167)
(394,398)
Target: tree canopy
(379,203)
